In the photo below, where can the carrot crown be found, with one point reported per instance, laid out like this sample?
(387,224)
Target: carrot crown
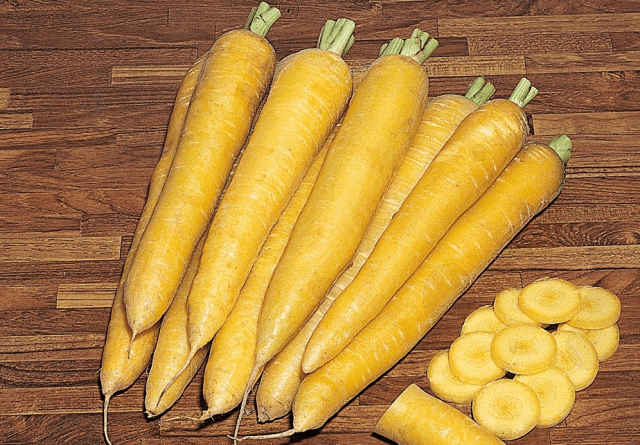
(523,93)
(337,36)
(562,145)
(480,91)
(261,18)
(419,46)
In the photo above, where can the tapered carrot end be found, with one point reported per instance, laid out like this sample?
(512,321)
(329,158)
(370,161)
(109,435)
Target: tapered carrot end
(287,433)
(105,408)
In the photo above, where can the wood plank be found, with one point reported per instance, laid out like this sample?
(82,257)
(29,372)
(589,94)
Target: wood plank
(54,348)
(78,68)
(625,41)
(60,249)
(76,428)
(85,295)
(48,374)
(554,24)
(569,258)
(10,120)
(578,234)
(27,297)
(55,272)
(4,98)
(43,139)
(624,122)
(144,75)
(468,66)
(54,321)
(582,213)
(549,44)
(558,62)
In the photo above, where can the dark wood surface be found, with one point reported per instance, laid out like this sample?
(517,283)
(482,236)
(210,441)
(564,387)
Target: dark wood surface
(86,89)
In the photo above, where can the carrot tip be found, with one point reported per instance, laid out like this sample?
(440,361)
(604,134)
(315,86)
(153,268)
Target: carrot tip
(287,433)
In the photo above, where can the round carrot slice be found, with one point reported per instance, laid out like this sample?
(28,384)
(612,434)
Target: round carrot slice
(523,349)
(550,300)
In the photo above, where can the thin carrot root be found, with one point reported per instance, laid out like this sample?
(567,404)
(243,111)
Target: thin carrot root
(287,433)
(107,398)
(523,349)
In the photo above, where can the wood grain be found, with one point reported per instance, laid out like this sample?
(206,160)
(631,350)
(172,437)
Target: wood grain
(86,91)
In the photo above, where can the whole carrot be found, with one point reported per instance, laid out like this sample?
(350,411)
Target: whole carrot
(530,182)
(233,348)
(373,138)
(309,93)
(478,150)
(283,374)
(124,359)
(234,77)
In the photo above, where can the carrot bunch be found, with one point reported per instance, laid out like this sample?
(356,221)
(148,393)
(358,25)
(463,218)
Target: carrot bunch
(311,243)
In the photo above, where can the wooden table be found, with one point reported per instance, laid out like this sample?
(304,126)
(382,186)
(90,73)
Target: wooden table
(85,97)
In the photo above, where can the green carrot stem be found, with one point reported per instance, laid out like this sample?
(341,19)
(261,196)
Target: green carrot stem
(337,36)
(484,94)
(523,93)
(262,18)
(474,87)
(419,46)
(562,145)
(393,47)
(480,91)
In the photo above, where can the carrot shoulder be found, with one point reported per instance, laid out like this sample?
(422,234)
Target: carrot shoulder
(283,374)
(123,360)
(530,182)
(308,95)
(375,133)
(234,77)
(474,155)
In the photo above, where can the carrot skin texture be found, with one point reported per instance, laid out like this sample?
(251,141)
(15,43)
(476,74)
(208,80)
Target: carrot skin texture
(234,77)
(308,95)
(119,369)
(478,150)
(417,418)
(283,374)
(233,349)
(531,181)
(172,349)
(357,171)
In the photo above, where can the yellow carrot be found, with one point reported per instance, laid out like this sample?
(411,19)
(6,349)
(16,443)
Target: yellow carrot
(417,418)
(375,133)
(234,77)
(172,349)
(283,374)
(530,182)
(123,360)
(478,150)
(308,95)
(233,349)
